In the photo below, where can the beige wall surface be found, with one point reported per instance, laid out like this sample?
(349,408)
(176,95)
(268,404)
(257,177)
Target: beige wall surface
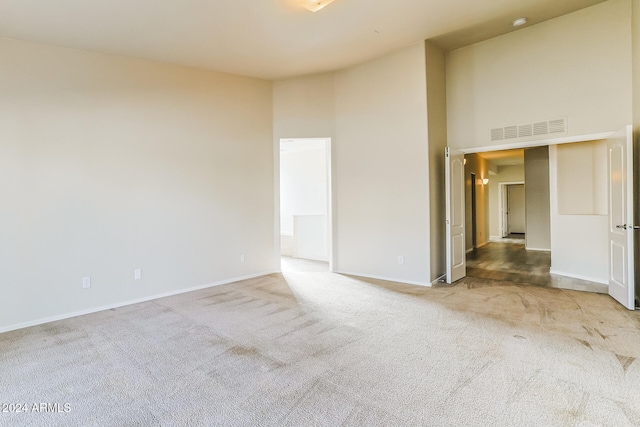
(382,169)
(538,208)
(582,178)
(579,243)
(636,68)
(304,107)
(437,128)
(376,115)
(577,66)
(636,125)
(108,164)
(480,167)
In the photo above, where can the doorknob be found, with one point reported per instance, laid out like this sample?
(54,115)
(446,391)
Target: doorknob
(623,226)
(630,227)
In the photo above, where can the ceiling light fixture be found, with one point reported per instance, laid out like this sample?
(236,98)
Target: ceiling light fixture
(315,5)
(518,22)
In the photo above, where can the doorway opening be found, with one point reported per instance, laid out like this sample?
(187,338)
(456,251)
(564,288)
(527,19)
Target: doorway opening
(503,209)
(591,201)
(305,204)
(511,211)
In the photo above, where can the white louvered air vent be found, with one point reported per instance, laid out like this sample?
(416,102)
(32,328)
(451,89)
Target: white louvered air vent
(497,134)
(557,126)
(549,127)
(510,132)
(525,130)
(541,128)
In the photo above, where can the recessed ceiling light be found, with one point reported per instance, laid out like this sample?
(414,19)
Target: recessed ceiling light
(518,22)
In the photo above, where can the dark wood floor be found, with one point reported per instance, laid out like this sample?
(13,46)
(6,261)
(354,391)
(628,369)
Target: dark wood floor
(511,263)
(519,236)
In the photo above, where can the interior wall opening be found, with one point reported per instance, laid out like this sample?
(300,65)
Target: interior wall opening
(512,210)
(305,204)
(528,190)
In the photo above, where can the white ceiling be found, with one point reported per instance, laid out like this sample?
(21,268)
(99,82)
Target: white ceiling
(504,157)
(269,39)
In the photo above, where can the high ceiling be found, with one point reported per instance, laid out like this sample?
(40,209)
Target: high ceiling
(269,39)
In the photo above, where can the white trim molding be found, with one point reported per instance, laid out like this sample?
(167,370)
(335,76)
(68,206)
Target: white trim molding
(388,279)
(537,143)
(64,316)
(577,276)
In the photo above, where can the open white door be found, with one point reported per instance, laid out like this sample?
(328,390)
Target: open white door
(621,228)
(454,182)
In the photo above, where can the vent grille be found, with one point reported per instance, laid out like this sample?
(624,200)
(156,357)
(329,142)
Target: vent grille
(525,130)
(497,134)
(510,132)
(557,126)
(541,128)
(549,127)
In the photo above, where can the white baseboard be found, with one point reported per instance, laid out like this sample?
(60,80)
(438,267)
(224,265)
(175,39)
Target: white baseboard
(125,303)
(578,276)
(538,249)
(439,280)
(388,279)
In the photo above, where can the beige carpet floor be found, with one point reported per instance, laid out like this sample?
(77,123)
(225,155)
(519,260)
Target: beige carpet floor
(313,348)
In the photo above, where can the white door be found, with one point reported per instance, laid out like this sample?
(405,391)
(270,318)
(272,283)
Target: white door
(516,203)
(621,229)
(454,183)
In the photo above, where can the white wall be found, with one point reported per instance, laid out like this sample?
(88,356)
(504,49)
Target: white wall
(635,19)
(579,243)
(376,115)
(303,107)
(437,129)
(108,164)
(576,66)
(582,178)
(480,167)
(636,121)
(538,197)
(509,173)
(383,168)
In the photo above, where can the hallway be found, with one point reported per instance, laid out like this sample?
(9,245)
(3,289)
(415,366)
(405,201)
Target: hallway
(510,263)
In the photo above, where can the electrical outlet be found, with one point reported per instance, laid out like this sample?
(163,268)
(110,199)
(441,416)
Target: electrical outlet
(86,282)
(241,258)
(137,274)
(400,259)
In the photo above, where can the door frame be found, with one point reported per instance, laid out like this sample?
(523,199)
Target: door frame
(548,142)
(474,214)
(502,194)
(331,193)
